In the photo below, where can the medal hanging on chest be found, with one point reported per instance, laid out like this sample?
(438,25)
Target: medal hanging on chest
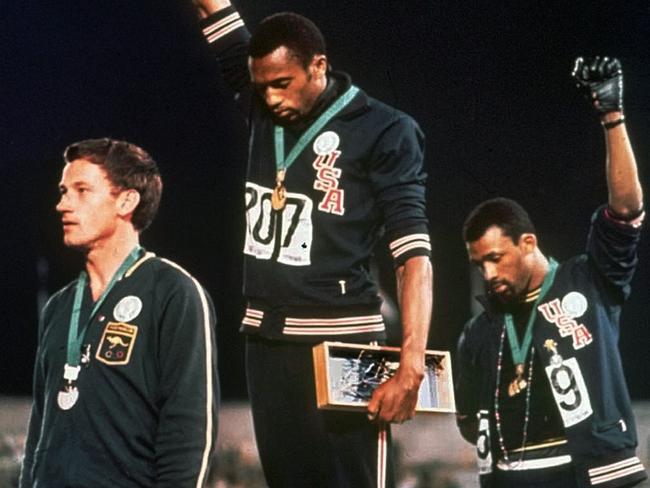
(279,195)
(520,350)
(69,394)
(517,385)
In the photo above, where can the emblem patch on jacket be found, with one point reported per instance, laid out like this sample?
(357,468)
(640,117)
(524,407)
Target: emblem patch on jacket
(127,308)
(117,343)
(563,314)
(327,176)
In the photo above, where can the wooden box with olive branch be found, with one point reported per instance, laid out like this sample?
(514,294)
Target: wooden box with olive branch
(347,374)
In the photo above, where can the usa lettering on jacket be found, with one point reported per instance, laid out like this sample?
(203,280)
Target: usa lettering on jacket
(563,314)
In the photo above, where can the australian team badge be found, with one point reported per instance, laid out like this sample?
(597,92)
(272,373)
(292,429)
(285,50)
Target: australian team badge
(116,344)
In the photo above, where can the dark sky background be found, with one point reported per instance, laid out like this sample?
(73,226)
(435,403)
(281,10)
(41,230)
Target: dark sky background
(488,82)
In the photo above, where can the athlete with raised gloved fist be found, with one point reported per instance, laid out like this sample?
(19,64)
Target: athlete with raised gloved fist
(541,390)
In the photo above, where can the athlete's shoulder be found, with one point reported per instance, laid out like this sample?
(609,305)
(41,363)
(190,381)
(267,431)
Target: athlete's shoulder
(386,112)
(477,323)
(365,104)
(166,274)
(475,332)
(163,268)
(60,296)
(379,123)
(58,303)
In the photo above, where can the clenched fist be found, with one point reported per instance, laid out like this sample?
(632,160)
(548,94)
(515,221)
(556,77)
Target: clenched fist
(600,79)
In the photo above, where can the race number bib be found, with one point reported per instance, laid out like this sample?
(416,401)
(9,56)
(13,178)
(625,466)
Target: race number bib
(284,236)
(570,392)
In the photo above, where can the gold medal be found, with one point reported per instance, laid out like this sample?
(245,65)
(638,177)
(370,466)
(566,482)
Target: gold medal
(279,195)
(519,383)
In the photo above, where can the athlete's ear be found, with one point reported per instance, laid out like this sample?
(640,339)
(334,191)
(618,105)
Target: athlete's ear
(127,202)
(528,242)
(318,65)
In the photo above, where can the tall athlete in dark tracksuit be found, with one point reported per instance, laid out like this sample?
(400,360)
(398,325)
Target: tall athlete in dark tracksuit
(129,397)
(540,385)
(312,223)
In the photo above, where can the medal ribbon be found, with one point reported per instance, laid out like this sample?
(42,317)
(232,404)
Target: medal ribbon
(519,351)
(75,338)
(339,104)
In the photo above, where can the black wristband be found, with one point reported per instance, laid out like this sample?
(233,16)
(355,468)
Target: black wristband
(613,123)
(626,218)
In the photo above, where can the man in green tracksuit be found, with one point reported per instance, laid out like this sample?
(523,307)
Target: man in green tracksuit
(125,383)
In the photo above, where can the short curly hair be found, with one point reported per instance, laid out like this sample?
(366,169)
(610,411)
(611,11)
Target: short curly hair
(127,167)
(297,33)
(504,213)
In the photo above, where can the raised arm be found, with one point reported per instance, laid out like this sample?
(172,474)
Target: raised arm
(227,37)
(625,192)
(615,231)
(601,80)
(205,8)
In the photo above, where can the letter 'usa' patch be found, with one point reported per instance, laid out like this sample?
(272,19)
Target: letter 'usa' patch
(116,344)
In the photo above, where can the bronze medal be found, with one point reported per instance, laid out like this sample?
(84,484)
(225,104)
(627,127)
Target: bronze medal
(519,384)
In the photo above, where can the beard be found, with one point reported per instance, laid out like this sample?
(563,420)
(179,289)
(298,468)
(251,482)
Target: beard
(289,119)
(506,293)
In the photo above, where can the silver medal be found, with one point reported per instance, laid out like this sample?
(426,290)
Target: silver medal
(69,395)
(67,398)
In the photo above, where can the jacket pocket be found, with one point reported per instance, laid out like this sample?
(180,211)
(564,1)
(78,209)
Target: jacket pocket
(615,433)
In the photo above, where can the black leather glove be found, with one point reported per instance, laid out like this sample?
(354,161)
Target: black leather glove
(600,79)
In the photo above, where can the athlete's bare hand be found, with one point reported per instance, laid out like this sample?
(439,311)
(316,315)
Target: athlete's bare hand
(396,399)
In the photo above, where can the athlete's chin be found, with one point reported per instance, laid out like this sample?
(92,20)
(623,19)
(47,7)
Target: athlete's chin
(75,243)
(504,295)
(287,118)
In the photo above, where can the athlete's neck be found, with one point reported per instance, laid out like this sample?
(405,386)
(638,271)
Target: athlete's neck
(325,98)
(102,261)
(539,271)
